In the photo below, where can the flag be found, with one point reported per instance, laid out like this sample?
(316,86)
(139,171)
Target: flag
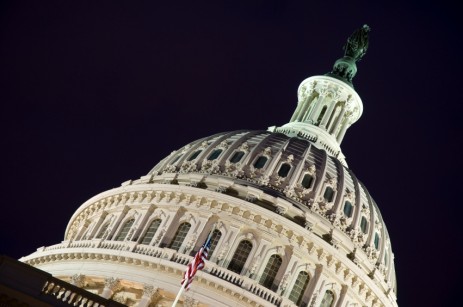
(197,263)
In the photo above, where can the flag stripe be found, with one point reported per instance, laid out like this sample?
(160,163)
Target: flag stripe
(197,263)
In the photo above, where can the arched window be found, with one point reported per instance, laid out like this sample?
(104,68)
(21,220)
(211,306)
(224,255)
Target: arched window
(328,299)
(307,181)
(194,155)
(180,236)
(216,234)
(215,154)
(102,231)
(284,170)
(270,271)
(377,241)
(241,255)
(237,157)
(149,234)
(299,287)
(125,230)
(260,162)
(348,208)
(320,117)
(329,194)
(364,224)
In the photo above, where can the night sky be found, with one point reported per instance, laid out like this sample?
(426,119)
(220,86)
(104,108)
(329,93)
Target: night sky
(94,94)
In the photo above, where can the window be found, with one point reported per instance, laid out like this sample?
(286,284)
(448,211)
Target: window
(214,241)
(102,231)
(270,271)
(328,299)
(328,195)
(260,162)
(364,225)
(125,230)
(180,236)
(376,241)
(320,117)
(215,154)
(284,170)
(194,155)
(241,255)
(307,181)
(176,159)
(149,234)
(237,157)
(348,208)
(299,288)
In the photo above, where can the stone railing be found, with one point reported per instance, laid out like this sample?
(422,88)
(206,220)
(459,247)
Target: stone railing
(74,296)
(225,274)
(265,293)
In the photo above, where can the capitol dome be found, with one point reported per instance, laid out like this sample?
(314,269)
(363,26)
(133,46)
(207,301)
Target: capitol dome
(291,223)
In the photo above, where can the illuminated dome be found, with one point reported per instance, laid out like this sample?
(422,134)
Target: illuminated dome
(292,224)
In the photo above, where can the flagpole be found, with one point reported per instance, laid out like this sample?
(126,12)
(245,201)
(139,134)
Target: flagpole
(179,293)
(209,237)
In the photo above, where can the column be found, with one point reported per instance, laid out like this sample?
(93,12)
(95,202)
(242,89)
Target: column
(342,296)
(327,115)
(111,285)
(148,292)
(342,132)
(338,120)
(310,295)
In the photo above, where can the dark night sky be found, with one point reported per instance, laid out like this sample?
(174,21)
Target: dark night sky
(95,94)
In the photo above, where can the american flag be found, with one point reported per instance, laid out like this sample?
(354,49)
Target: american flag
(197,263)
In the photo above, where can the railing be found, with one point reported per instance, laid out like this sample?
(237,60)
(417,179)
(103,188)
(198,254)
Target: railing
(266,294)
(72,295)
(227,275)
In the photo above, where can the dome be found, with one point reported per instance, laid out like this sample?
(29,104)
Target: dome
(289,223)
(290,176)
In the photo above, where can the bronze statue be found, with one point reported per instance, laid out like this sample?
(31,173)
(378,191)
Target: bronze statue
(357,43)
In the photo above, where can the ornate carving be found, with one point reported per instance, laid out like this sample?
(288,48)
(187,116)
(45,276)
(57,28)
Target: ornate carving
(78,280)
(112,283)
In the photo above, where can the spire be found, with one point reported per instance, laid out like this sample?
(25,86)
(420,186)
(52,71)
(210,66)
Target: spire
(345,68)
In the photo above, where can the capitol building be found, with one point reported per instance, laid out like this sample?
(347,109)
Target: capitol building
(291,223)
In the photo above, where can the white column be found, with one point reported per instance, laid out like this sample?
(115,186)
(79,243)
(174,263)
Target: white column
(343,131)
(327,115)
(148,293)
(111,285)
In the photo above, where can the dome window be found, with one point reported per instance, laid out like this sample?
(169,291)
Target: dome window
(194,155)
(149,234)
(215,154)
(270,271)
(237,156)
(364,225)
(348,209)
(299,288)
(307,181)
(376,241)
(102,231)
(260,162)
(180,236)
(125,230)
(241,255)
(329,194)
(328,299)
(284,170)
(176,159)
(216,235)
